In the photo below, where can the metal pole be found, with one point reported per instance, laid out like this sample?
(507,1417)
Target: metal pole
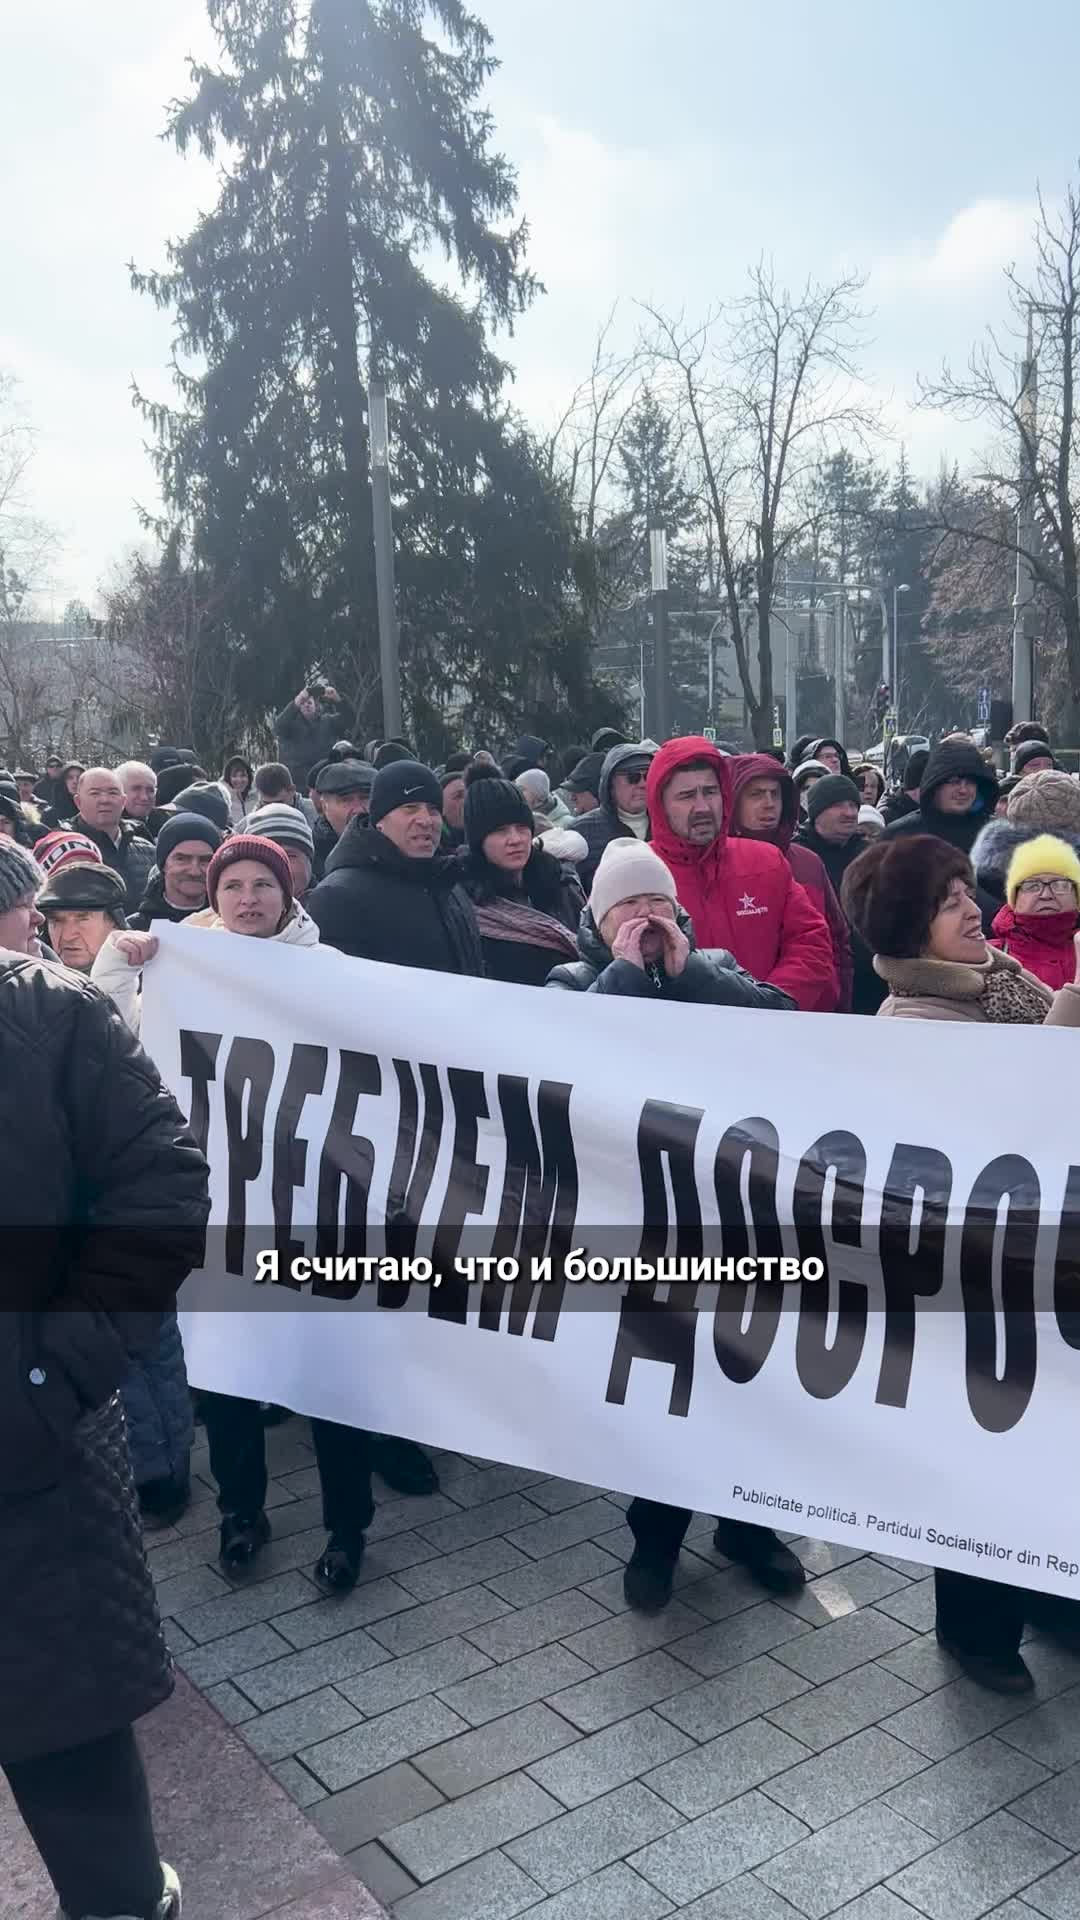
(791,682)
(894,678)
(661,718)
(1023,641)
(840,669)
(383,530)
(886,675)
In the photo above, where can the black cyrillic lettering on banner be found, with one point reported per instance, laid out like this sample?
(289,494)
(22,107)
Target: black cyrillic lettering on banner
(1067,1263)
(198,1063)
(667,1132)
(911,1245)
(466,1191)
(348,1157)
(306,1075)
(660,1330)
(249,1073)
(999,1403)
(824,1370)
(417,1149)
(753,1144)
(538,1206)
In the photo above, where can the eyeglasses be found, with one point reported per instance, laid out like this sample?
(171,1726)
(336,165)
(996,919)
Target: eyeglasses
(1059,889)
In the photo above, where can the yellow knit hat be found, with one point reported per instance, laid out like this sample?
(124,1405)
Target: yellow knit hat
(1045,854)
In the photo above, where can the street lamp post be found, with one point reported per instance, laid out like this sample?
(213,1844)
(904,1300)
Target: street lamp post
(382,529)
(1023,643)
(661,717)
(894,678)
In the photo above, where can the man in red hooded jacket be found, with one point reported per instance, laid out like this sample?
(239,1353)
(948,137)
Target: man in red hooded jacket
(765,807)
(740,894)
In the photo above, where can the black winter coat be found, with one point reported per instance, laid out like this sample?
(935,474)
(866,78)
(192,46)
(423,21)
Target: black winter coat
(301,741)
(103,1196)
(711,977)
(154,906)
(133,859)
(546,885)
(376,903)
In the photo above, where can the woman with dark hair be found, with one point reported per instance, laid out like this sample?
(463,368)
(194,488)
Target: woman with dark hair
(238,785)
(527,904)
(913,901)
(65,806)
(870,781)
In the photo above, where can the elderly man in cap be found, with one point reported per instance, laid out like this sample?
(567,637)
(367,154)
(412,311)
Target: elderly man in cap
(344,788)
(24,786)
(82,906)
(582,783)
(623,809)
(177,886)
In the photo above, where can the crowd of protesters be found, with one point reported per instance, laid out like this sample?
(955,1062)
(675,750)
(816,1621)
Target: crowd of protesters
(672,871)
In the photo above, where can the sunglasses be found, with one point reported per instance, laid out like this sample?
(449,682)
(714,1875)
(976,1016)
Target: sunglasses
(635,775)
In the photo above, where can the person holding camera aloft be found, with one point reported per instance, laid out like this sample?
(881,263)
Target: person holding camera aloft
(307,729)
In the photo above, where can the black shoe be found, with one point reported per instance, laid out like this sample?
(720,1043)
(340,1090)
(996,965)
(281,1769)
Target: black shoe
(241,1539)
(403,1465)
(339,1568)
(162,1502)
(1056,1617)
(647,1582)
(773,1565)
(999,1672)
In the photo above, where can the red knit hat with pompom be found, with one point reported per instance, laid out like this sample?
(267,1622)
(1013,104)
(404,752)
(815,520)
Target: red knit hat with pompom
(249,846)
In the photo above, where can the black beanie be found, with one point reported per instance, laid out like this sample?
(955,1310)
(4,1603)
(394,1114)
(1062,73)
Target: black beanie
(1029,750)
(490,803)
(391,751)
(185,826)
(398,784)
(829,791)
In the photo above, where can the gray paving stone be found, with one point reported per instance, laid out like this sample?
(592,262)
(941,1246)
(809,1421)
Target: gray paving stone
(1053,1807)
(1050,1733)
(1054,1668)
(725,1768)
(843,1707)
(728,1643)
(203,1511)
(691,1572)
(705,1711)
(1058,1895)
(975,1871)
(514,1684)
(176,1639)
(181,1590)
(350,1818)
(500,1746)
(593,1836)
(834,1595)
(880,1904)
(301,1484)
(394,1554)
(746,1898)
(437,1842)
(914,1604)
(725,1591)
(851,1642)
(607,1760)
(287,1679)
(953,1717)
(490,1888)
(180,1556)
(833,1783)
(839,1862)
(717,1847)
(236,1653)
(923,1664)
(531,1627)
(334,1614)
(559,1530)
(450,1571)
(381,1875)
(286,1729)
(360,1751)
(914,1569)
(537,1579)
(423,1625)
(466,1528)
(967,1787)
(620,1691)
(299,1516)
(247,1605)
(474,1488)
(233,1706)
(411,1510)
(823,1556)
(554,1496)
(627,1634)
(427,1671)
(615,1893)
(298,1783)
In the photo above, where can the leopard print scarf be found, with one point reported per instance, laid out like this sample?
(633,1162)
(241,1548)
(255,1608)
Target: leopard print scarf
(1014,1000)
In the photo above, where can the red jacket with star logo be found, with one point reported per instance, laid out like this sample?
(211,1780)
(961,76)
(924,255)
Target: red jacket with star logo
(741,894)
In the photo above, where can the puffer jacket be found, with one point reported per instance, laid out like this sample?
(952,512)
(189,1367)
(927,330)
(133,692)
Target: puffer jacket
(710,979)
(377,904)
(602,824)
(808,869)
(104,1200)
(157,1408)
(951,760)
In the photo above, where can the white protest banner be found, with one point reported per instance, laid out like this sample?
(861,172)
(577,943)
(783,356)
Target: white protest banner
(921,1398)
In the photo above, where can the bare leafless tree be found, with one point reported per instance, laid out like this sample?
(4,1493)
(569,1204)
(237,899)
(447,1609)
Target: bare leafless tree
(27,550)
(1034,446)
(769,385)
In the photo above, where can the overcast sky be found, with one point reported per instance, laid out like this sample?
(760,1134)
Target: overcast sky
(660,149)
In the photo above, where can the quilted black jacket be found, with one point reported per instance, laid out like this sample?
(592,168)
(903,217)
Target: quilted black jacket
(103,1205)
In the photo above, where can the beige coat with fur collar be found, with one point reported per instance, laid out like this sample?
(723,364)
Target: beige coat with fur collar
(948,990)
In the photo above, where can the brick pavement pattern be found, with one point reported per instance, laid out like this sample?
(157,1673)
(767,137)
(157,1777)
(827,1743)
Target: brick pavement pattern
(482,1729)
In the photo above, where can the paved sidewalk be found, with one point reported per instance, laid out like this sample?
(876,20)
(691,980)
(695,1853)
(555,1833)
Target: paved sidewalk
(483,1730)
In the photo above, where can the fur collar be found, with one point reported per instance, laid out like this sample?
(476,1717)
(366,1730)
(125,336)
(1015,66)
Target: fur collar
(996,844)
(943,979)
